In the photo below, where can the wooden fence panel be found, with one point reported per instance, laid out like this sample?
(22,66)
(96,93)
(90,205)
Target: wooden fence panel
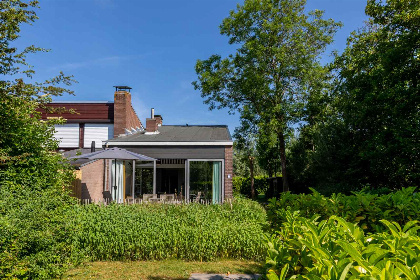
(76,186)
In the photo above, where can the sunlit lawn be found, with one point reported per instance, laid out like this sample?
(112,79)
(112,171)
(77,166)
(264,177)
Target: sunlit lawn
(153,270)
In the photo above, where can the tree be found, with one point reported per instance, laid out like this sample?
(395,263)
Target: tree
(365,129)
(33,227)
(245,142)
(271,73)
(26,141)
(379,94)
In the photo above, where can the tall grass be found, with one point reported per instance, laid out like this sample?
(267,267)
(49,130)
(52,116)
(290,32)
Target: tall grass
(161,231)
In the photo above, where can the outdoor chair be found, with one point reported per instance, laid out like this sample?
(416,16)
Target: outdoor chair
(197,198)
(167,197)
(148,197)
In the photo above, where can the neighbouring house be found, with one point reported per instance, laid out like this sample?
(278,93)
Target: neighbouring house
(192,161)
(94,120)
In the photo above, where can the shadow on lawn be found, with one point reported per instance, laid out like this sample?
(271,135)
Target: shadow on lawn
(253,268)
(241,269)
(166,278)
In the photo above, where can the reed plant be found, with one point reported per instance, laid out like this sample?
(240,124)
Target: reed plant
(164,231)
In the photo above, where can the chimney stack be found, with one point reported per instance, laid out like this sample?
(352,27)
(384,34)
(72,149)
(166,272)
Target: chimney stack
(125,117)
(153,123)
(158,119)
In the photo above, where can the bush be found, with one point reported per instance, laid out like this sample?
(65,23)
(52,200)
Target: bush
(366,209)
(242,185)
(161,231)
(336,249)
(34,233)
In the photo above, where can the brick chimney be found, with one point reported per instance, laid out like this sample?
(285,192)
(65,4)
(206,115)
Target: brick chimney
(159,119)
(153,123)
(125,118)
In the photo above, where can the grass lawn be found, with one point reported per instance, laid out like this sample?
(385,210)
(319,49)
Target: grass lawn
(154,270)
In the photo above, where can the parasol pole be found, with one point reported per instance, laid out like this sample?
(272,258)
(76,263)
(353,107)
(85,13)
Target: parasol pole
(115,179)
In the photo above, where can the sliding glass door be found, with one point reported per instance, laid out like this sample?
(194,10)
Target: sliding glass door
(117,180)
(205,180)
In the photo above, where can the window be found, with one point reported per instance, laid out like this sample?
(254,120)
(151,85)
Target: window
(205,180)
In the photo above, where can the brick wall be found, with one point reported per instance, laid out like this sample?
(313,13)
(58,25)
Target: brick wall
(93,180)
(228,171)
(151,125)
(124,115)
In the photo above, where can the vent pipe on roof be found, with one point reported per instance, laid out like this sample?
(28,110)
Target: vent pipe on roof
(153,113)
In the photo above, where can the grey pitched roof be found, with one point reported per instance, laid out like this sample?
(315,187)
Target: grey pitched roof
(79,162)
(114,153)
(181,133)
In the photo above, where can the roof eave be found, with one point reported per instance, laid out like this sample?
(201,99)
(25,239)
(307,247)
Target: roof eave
(168,143)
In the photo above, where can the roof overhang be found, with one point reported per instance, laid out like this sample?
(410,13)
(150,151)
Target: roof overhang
(203,143)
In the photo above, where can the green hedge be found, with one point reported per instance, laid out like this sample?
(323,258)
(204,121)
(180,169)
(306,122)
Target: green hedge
(363,208)
(35,233)
(242,185)
(160,231)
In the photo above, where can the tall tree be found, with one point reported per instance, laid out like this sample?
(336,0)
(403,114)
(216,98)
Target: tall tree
(245,142)
(26,141)
(380,93)
(34,239)
(366,132)
(279,47)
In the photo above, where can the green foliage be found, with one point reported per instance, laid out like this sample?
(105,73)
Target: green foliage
(242,185)
(34,233)
(33,226)
(363,208)
(336,249)
(275,67)
(380,100)
(162,231)
(365,130)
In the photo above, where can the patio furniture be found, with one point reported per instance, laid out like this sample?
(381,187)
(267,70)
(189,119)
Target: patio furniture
(197,198)
(167,197)
(150,197)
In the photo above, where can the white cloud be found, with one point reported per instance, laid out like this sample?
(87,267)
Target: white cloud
(104,61)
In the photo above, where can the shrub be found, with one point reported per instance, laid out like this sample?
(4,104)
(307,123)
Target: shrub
(160,231)
(363,208)
(242,185)
(336,249)
(34,233)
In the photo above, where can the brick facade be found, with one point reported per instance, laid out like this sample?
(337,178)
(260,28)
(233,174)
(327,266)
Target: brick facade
(124,115)
(151,125)
(93,180)
(228,171)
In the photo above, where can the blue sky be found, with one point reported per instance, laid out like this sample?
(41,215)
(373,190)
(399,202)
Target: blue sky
(151,46)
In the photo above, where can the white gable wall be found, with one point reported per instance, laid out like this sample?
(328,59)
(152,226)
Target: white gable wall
(97,132)
(68,134)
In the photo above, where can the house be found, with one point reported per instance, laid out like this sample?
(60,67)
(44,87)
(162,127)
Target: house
(94,120)
(192,161)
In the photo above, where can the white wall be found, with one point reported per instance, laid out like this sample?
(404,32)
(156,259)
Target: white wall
(68,134)
(97,132)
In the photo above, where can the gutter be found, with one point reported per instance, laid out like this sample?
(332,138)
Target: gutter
(204,143)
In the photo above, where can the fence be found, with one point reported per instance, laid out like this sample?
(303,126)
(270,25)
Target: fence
(128,201)
(76,186)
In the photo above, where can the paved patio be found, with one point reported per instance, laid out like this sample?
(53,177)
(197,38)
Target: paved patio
(202,276)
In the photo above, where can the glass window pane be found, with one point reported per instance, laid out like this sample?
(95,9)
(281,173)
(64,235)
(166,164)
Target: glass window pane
(144,181)
(205,180)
